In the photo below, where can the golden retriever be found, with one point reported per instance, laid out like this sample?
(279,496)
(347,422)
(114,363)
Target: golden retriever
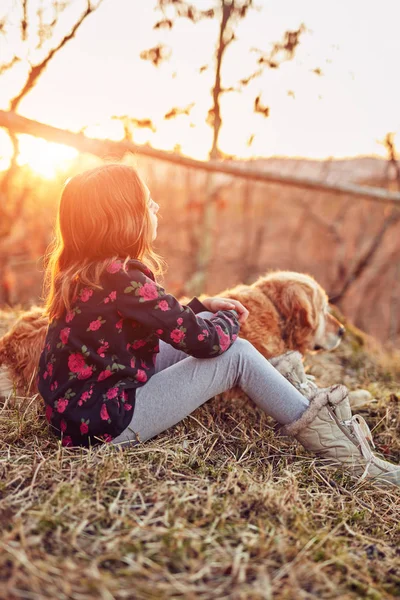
(288,311)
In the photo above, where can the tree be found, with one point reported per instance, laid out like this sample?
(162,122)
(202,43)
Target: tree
(35,25)
(229,13)
(347,278)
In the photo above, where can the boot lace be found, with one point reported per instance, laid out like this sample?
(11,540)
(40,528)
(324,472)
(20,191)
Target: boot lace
(363,435)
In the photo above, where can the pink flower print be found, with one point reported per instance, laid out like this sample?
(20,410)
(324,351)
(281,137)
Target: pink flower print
(148,291)
(163,305)
(76,362)
(49,371)
(115,266)
(63,425)
(62,404)
(54,386)
(85,396)
(179,321)
(112,393)
(104,375)
(103,348)
(85,294)
(86,372)
(67,440)
(128,406)
(159,331)
(234,336)
(230,321)
(119,324)
(64,334)
(138,344)
(200,337)
(206,332)
(48,346)
(143,365)
(141,375)
(224,339)
(107,437)
(124,396)
(110,298)
(177,335)
(69,316)
(84,428)
(95,325)
(133,362)
(49,412)
(104,413)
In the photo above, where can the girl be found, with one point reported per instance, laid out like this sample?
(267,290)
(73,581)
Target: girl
(123,360)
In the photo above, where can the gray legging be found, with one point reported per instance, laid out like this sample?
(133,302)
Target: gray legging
(182,383)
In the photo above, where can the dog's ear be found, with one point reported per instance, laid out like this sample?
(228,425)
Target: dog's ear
(291,298)
(301,318)
(296,305)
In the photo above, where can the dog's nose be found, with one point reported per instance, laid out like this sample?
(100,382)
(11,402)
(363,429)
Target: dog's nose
(341,331)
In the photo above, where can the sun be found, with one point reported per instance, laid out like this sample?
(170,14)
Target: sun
(45,158)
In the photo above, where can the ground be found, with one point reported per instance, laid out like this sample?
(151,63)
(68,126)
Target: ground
(216,507)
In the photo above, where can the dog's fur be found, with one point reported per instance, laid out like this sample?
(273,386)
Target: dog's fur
(287,311)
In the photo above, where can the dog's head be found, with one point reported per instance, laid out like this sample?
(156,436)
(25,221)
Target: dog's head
(304,310)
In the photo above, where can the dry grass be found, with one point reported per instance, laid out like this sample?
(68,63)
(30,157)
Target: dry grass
(216,507)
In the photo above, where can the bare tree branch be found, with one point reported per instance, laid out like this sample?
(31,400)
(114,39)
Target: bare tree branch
(98,147)
(157,54)
(37,70)
(367,257)
(175,112)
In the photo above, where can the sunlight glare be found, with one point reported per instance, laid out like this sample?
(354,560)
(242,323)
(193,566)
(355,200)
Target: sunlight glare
(45,158)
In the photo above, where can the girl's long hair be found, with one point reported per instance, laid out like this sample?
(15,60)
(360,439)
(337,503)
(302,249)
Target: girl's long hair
(102,216)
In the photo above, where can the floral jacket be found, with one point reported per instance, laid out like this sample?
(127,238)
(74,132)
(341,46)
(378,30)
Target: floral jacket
(105,347)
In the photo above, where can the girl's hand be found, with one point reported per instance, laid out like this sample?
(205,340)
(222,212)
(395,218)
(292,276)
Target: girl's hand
(216,304)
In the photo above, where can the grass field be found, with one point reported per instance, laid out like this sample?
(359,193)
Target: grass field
(216,507)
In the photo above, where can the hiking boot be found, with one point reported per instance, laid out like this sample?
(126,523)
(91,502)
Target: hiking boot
(328,429)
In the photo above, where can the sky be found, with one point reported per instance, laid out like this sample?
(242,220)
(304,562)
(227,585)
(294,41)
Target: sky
(345,112)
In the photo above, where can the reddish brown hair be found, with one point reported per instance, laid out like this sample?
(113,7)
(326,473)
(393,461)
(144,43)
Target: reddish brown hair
(102,216)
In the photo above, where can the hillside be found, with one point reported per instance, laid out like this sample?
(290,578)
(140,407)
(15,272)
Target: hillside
(359,169)
(216,507)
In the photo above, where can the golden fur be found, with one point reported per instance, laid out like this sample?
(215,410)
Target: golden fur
(287,312)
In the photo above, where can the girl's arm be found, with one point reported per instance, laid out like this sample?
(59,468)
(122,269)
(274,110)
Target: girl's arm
(141,299)
(196,305)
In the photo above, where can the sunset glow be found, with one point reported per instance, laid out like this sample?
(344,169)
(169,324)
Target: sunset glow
(44,158)
(336,98)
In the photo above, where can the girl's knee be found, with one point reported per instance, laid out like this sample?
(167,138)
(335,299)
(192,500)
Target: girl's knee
(243,345)
(242,351)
